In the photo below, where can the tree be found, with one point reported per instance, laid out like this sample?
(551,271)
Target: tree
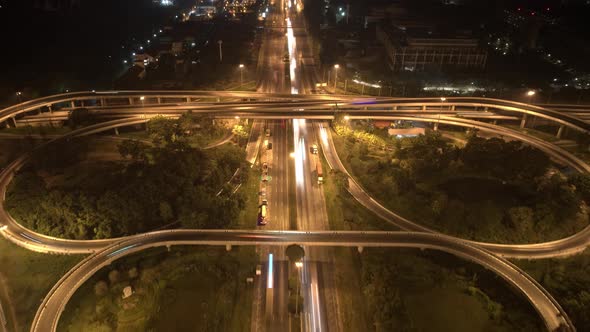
(582,184)
(101,288)
(133,148)
(239,132)
(295,253)
(114,276)
(166,211)
(164,131)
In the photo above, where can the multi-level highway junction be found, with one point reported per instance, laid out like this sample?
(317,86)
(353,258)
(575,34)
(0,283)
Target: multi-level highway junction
(124,108)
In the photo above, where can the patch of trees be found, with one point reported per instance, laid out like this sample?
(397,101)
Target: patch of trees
(488,190)
(567,280)
(391,277)
(168,182)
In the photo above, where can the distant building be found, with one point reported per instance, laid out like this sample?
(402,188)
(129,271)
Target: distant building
(379,124)
(406,132)
(525,25)
(417,47)
(177,47)
(143,60)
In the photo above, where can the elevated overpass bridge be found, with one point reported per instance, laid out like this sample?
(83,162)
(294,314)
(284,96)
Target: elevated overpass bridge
(119,104)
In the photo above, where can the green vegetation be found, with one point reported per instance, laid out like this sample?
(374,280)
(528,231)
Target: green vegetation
(11,149)
(344,212)
(28,276)
(163,184)
(36,130)
(184,289)
(410,290)
(488,190)
(567,279)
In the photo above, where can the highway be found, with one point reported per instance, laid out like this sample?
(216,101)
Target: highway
(45,244)
(270,311)
(321,310)
(50,310)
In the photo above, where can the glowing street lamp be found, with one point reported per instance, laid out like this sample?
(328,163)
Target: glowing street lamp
(142,98)
(531,93)
(241,75)
(346,118)
(336,67)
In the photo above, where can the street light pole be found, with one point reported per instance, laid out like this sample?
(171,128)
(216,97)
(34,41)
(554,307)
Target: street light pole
(336,67)
(241,75)
(220,51)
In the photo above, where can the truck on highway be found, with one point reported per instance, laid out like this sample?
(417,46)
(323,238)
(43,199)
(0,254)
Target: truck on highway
(318,167)
(262,211)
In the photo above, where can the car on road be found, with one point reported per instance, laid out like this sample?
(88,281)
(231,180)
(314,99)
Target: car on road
(314,149)
(262,214)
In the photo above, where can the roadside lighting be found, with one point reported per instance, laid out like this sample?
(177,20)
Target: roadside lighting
(142,98)
(236,117)
(530,93)
(241,74)
(336,67)
(299,264)
(346,118)
(443,99)
(292,155)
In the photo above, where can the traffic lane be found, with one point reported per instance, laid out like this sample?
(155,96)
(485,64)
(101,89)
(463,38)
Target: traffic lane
(53,305)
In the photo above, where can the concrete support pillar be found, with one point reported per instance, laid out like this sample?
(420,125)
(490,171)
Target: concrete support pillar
(560,132)
(103,102)
(395,108)
(360,249)
(424,107)
(168,247)
(117,131)
(495,122)
(14,121)
(453,108)
(228,247)
(436,126)
(485,109)
(73,104)
(523,121)
(159,100)
(188,99)
(130,101)
(50,108)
